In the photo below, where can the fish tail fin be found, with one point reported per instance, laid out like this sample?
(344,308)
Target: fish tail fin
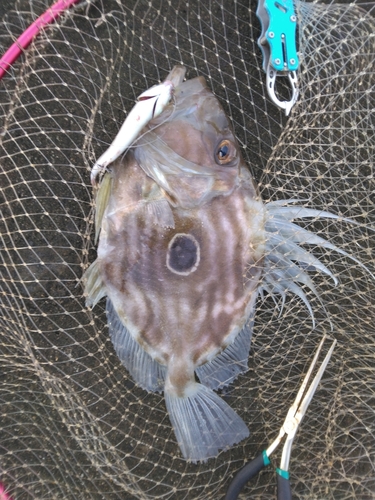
(203,422)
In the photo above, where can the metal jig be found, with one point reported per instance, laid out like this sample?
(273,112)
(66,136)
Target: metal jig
(150,104)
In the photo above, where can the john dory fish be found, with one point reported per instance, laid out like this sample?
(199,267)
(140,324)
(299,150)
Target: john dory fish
(184,241)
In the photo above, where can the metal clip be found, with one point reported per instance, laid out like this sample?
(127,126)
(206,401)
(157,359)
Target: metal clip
(271,76)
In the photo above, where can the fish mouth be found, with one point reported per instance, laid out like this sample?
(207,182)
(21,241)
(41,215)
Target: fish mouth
(183,255)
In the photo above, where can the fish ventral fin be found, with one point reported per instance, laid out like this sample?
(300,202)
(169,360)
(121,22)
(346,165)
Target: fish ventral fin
(227,366)
(203,423)
(146,372)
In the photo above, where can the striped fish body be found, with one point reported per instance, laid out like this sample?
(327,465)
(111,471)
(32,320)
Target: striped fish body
(180,258)
(184,292)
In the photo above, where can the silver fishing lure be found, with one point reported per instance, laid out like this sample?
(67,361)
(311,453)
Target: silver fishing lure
(186,245)
(150,104)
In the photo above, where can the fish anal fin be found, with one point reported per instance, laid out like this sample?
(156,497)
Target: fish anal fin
(203,423)
(227,366)
(146,372)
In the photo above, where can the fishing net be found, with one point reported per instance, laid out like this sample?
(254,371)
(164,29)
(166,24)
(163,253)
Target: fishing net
(73,423)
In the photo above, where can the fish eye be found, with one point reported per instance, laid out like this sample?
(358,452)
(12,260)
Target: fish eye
(225,152)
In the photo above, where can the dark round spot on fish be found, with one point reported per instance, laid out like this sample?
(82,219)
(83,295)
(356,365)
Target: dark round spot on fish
(225,152)
(183,254)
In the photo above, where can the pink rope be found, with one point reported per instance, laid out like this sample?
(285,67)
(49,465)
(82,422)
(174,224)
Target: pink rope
(50,15)
(3,494)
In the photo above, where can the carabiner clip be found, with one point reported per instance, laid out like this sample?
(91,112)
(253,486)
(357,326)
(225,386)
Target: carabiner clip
(272,74)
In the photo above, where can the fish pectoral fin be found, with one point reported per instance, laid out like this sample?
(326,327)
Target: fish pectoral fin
(159,211)
(146,372)
(94,286)
(203,422)
(227,366)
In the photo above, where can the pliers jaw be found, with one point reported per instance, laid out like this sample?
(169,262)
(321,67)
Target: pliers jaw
(298,409)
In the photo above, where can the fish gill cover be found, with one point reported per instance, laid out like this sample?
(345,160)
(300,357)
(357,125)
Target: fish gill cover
(73,422)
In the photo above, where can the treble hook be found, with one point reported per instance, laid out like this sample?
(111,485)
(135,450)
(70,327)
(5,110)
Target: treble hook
(272,74)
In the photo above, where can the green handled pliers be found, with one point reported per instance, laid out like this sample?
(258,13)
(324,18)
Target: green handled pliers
(289,428)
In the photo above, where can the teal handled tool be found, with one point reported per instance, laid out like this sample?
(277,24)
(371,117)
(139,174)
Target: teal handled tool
(278,44)
(289,428)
